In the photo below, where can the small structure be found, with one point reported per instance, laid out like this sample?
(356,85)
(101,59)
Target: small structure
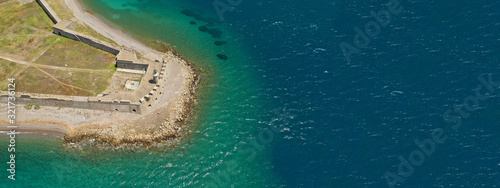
(155,76)
(128,60)
(131,85)
(63,25)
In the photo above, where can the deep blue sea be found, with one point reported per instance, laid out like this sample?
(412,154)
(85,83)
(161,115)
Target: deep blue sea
(288,109)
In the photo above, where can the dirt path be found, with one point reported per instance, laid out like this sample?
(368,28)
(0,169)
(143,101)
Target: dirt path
(38,67)
(64,84)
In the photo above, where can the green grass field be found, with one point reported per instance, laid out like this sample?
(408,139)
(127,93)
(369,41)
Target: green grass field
(32,79)
(24,30)
(44,62)
(8,70)
(79,54)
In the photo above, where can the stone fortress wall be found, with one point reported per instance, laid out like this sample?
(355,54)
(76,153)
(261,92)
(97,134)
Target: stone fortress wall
(128,60)
(87,40)
(124,64)
(125,59)
(154,94)
(65,28)
(93,103)
(52,15)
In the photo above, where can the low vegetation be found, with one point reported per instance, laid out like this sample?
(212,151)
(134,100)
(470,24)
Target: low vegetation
(28,106)
(43,62)
(62,82)
(25,30)
(73,54)
(8,70)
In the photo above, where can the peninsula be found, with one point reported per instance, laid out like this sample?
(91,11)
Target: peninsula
(91,82)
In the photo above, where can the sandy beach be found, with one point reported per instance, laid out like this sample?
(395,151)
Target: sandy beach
(161,122)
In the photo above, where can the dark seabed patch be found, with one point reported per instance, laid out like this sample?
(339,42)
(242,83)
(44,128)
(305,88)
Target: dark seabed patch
(220,43)
(222,56)
(216,33)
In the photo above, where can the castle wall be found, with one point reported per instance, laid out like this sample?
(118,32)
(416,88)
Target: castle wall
(52,15)
(77,102)
(87,40)
(130,65)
